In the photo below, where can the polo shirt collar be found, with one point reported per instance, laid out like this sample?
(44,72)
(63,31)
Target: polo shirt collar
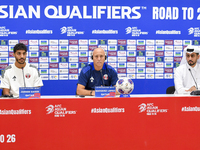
(92,64)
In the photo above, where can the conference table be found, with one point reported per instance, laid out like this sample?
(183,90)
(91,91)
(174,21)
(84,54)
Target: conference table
(140,122)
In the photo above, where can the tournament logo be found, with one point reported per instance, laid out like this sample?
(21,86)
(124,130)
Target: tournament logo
(70,31)
(27,75)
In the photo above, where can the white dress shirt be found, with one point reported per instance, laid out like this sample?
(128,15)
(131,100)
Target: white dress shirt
(183,79)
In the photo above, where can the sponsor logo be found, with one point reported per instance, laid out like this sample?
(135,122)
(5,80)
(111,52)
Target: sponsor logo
(149,70)
(121,65)
(112,53)
(102,42)
(63,42)
(169,48)
(73,59)
(150,42)
(121,70)
(83,59)
(150,53)
(151,48)
(140,59)
(150,65)
(168,32)
(168,53)
(131,59)
(159,53)
(169,42)
(131,76)
(53,42)
(25,42)
(130,70)
(53,48)
(43,59)
(140,76)
(4,48)
(131,42)
(59,111)
(168,65)
(3,66)
(44,77)
(53,59)
(159,70)
(158,76)
(44,65)
(108,110)
(11,60)
(83,48)
(140,64)
(43,71)
(121,42)
(83,42)
(140,47)
(130,64)
(121,47)
(33,48)
(11,54)
(159,64)
(178,53)
(168,76)
(121,59)
(104,47)
(169,59)
(63,71)
(168,70)
(140,42)
(43,42)
(131,53)
(121,53)
(140,53)
(140,70)
(112,59)
(81,65)
(70,31)
(63,48)
(33,42)
(121,75)
(3,54)
(187,42)
(177,64)
(73,53)
(53,65)
(73,48)
(73,65)
(149,76)
(82,54)
(43,48)
(3,42)
(114,42)
(33,60)
(178,42)
(131,47)
(33,54)
(159,48)
(53,77)
(53,54)
(160,42)
(63,65)
(93,42)
(134,31)
(73,71)
(112,48)
(150,59)
(13,42)
(73,77)
(73,42)
(177,59)
(151,109)
(114,65)
(63,77)
(105,31)
(63,53)
(63,59)
(53,71)
(178,47)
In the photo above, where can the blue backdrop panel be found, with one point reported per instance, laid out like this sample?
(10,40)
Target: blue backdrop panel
(144,40)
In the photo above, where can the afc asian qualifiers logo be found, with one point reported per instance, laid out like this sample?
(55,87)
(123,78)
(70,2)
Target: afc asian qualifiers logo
(59,111)
(27,75)
(150,109)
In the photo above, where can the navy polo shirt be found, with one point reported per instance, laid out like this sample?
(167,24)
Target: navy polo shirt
(90,78)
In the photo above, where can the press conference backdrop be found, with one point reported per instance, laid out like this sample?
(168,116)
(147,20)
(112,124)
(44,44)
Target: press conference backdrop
(144,40)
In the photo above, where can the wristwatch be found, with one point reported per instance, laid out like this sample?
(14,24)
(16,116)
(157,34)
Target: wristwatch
(91,93)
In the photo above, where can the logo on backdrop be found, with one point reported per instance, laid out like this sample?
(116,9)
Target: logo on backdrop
(59,111)
(70,31)
(135,31)
(194,31)
(111,31)
(5,32)
(150,109)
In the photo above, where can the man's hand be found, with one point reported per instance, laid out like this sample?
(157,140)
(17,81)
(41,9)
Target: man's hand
(193,88)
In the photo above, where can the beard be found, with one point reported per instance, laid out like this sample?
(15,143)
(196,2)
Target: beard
(20,60)
(191,63)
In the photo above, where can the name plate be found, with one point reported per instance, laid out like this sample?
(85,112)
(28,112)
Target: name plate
(104,91)
(29,92)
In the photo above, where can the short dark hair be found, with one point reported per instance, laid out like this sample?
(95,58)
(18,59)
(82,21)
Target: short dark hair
(20,46)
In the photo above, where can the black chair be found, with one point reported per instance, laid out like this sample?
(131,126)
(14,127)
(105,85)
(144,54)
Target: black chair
(170,90)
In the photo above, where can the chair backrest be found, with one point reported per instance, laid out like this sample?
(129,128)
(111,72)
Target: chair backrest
(170,90)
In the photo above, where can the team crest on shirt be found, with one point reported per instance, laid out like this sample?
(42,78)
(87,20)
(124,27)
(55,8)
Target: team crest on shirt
(27,75)
(105,77)
(91,79)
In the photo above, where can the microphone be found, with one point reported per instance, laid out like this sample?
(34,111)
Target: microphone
(193,78)
(197,92)
(23,76)
(102,77)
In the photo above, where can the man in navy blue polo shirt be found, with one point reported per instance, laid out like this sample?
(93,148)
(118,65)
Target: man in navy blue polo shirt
(97,73)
